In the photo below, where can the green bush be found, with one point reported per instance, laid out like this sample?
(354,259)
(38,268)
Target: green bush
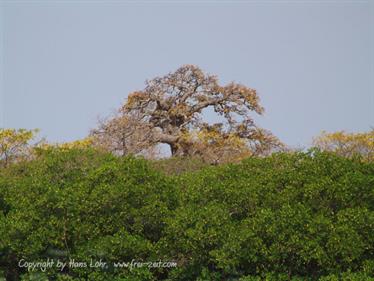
(80,205)
(290,216)
(177,165)
(304,214)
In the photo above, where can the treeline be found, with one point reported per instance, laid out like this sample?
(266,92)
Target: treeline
(288,216)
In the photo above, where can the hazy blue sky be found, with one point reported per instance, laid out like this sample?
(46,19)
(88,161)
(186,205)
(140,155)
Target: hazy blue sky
(64,63)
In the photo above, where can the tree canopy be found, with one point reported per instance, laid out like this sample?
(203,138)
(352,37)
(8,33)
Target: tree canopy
(14,144)
(348,144)
(289,216)
(169,110)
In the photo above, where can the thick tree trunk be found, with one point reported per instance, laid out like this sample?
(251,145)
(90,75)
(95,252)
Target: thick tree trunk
(174,149)
(180,148)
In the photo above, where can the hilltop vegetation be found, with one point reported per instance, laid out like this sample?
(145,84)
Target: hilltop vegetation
(289,216)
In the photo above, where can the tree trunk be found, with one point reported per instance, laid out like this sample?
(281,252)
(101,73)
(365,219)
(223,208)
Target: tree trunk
(173,149)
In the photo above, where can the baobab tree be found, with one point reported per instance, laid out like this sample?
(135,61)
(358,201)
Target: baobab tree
(170,111)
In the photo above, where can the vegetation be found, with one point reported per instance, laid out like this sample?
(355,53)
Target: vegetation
(348,144)
(289,216)
(170,111)
(14,145)
(230,204)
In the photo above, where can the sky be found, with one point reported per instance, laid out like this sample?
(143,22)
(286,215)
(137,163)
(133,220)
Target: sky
(66,63)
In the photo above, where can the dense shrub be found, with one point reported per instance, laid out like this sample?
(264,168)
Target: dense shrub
(80,205)
(295,216)
(177,165)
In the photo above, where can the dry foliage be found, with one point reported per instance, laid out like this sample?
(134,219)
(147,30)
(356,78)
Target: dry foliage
(15,145)
(348,144)
(169,111)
